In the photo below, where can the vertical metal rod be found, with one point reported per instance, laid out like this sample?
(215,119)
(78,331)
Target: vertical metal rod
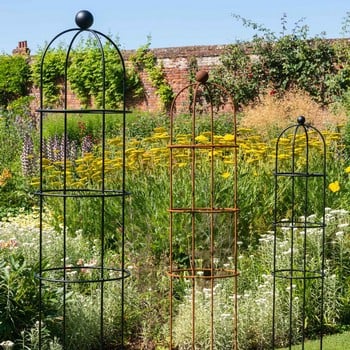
(64,198)
(193,218)
(123,199)
(323,240)
(212,238)
(235,228)
(274,268)
(171,185)
(306,205)
(292,231)
(41,206)
(103,145)
(123,210)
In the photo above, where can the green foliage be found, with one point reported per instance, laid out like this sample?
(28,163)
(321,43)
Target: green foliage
(239,74)
(145,59)
(281,62)
(15,124)
(21,108)
(334,342)
(147,221)
(84,76)
(19,297)
(140,125)
(16,279)
(81,125)
(14,78)
(15,197)
(51,75)
(9,140)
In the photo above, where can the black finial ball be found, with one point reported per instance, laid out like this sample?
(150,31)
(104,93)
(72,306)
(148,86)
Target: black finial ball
(84,19)
(301,120)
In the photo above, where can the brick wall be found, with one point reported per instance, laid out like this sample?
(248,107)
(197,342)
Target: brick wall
(176,62)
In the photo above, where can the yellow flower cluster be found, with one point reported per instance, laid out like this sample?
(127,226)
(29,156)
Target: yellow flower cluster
(4,177)
(152,153)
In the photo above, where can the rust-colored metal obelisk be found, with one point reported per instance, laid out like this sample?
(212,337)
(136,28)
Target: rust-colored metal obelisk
(203,211)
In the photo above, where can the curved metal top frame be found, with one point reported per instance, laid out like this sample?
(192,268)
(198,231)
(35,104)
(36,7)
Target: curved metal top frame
(84,20)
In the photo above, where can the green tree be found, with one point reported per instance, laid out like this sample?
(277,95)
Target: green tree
(14,78)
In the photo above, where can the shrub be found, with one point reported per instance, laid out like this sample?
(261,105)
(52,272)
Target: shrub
(14,78)
(19,286)
(16,125)
(19,300)
(274,113)
(85,61)
(255,285)
(283,62)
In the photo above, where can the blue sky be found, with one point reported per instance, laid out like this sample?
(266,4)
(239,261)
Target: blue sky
(168,23)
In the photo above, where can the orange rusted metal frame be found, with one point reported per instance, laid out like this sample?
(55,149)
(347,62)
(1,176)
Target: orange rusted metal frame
(213,273)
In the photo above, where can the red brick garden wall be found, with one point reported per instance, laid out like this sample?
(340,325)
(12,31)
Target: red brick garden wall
(177,62)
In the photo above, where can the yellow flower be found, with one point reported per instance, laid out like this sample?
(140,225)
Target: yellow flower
(117,141)
(160,129)
(229,138)
(347,169)
(334,186)
(161,136)
(283,156)
(4,176)
(217,138)
(202,139)
(226,175)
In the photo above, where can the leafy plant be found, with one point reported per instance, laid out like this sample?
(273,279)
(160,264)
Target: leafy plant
(145,59)
(85,75)
(50,74)
(14,78)
(19,294)
(16,124)
(282,62)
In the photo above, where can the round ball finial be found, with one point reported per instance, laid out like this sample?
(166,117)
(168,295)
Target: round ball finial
(202,76)
(84,19)
(301,120)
